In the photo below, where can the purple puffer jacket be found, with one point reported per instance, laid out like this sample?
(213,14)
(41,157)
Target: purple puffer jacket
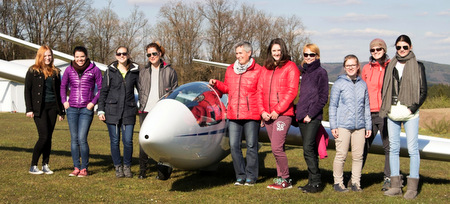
(82,90)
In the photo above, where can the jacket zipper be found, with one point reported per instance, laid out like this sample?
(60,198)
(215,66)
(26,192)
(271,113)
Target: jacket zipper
(239,96)
(270,88)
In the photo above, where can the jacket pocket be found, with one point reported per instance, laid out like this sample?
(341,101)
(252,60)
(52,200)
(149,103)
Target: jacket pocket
(111,107)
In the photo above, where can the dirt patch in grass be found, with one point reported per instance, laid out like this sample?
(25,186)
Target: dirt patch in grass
(427,115)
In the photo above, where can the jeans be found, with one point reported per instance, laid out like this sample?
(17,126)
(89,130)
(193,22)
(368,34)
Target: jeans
(379,124)
(309,132)
(251,131)
(277,130)
(80,120)
(412,134)
(143,157)
(45,125)
(127,139)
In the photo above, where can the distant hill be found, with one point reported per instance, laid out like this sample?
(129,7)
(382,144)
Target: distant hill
(436,73)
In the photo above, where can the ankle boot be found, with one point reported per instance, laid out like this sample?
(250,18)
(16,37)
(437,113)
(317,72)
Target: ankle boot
(412,185)
(396,187)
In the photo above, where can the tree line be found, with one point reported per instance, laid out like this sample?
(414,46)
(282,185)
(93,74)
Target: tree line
(206,30)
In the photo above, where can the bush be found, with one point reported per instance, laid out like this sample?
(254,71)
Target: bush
(436,102)
(440,127)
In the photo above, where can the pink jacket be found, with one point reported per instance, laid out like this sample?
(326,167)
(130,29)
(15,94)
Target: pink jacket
(322,142)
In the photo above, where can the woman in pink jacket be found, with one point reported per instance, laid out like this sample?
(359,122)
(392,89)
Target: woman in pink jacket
(279,86)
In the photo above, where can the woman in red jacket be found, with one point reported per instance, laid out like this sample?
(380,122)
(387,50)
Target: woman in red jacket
(278,85)
(241,82)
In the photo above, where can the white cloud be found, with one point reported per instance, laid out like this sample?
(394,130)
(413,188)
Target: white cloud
(422,14)
(367,32)
(434,35)
(337,2)
(359,18)
(445,40)
(444,13)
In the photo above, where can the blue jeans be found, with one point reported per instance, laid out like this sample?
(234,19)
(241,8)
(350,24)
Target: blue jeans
(251,131)
(127,139)
(412,133)
(79,120)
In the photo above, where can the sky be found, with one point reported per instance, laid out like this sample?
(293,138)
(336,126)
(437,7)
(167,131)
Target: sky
(341,27)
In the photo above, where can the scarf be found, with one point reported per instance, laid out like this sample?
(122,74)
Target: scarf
(80,69)
(241,68)
(409,90)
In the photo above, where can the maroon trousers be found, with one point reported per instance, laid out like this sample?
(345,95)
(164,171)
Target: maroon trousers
(277,130)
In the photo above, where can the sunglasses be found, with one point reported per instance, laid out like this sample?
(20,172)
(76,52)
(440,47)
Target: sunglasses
(153,53)
(405,47)
(377,49)
(310,54)
(121,53)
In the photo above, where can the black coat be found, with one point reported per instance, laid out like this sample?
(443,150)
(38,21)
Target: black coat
(117,98)
(34,92)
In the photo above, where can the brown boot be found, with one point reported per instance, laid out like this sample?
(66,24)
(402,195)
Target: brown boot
(412,185)
(396,187)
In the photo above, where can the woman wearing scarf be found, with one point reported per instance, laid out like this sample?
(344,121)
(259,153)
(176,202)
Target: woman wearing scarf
(241,82)
(80,77)
(404,91)
(312,98)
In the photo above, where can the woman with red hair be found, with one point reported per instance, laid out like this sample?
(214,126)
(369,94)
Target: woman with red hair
(43,104)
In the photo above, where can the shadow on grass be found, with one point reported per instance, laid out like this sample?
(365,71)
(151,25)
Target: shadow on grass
(103,161)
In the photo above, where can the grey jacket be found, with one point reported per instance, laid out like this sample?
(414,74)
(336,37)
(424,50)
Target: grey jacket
(349,104)
(167,82)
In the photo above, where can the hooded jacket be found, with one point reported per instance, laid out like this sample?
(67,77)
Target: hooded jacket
(349,104)
(82,90)
(313,91)
(117,99)
(168,81)
(242,90)
(373,75)
(279,88)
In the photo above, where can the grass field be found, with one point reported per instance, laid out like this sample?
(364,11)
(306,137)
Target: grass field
(18,135)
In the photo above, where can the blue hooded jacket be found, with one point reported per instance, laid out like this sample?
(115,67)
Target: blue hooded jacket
(349,104)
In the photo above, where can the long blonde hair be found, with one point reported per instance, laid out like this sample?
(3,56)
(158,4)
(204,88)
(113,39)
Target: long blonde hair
(40,65)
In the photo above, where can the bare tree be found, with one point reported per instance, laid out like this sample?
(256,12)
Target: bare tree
(103,27)
(179,30)
(293,33)
(12,25)
(219,14)
(131,32)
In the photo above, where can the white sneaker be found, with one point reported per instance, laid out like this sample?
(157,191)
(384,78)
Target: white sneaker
(34,170)
(46,169)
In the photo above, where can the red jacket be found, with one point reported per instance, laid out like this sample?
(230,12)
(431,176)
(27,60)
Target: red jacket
(279,88)
(373,75)
(242,93)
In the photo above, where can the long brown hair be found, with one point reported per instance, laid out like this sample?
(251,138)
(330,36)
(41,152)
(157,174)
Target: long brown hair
(270,63)
(40,66)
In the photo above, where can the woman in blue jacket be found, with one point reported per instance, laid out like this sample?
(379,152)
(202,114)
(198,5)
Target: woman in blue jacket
(350,122)
(118,108)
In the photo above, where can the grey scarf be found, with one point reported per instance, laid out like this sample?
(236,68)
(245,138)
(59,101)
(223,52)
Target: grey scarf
(409,90)
(241,68)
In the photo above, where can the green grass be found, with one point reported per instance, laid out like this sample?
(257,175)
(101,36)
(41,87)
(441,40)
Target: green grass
(18,136)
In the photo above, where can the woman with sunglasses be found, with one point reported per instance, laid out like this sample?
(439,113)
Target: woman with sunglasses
(278,86)
(309,114)
(155,80)
(373,75)
(404,91)
(350,122)
(80,77)
(117,108)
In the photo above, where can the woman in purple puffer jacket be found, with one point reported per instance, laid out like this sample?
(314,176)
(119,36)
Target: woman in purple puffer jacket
(80,78)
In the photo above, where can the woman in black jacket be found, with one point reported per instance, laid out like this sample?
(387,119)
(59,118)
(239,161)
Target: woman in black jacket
(43,103)
(117,107)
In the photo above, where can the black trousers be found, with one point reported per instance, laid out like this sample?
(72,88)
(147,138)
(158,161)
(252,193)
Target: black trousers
(45,125)
(143,157)
(309,132)
(379,124)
